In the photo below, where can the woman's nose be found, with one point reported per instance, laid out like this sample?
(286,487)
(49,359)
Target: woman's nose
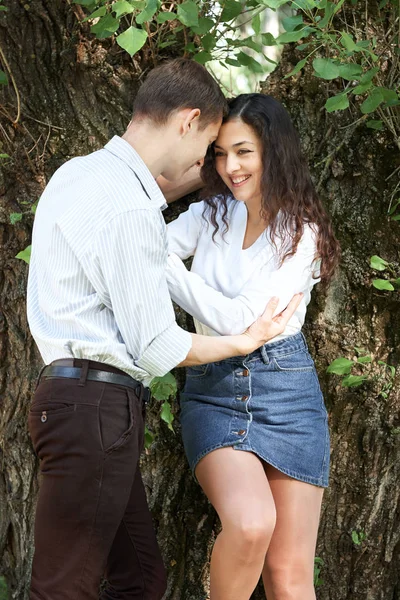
(200,162)
(232,163)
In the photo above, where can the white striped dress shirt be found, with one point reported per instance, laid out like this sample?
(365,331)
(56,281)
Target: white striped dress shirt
(97,287)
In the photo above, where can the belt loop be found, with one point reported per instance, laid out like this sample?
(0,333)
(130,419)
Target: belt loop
(84,372)
(264,355)
(39,376)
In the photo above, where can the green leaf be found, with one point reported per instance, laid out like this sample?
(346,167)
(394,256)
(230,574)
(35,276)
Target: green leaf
(268,39)
(202,57)
(4,156)
(347,41)
(87,3)
(256,24)
(132,39)
(372,102)
(149,437)
(360,89)
(122,7)
(274,4)
(388,94)
(231,10)
(166,414)
(374,124)
(383,284)
(355,538)
(100,12)
(233,62)
(188,13)
(353,380)
(298,67)
(350,71)
(148,12)
(250,43)
(364,359)
(340,366)
(105,27)
(338,6)
(162,17)
(164,387)
(291,36)
(205,25)
(369,75)
(290,23)
(378,263)
(338,102)
(25,254)
(329,11)
(325,68)
(248,61)
(15,217)
(208,42)
(3,78)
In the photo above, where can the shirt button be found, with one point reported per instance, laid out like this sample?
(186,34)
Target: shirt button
(43,418)
(244,398)
(245,373)
(241,431)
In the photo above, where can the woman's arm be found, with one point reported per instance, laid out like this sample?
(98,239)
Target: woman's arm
(231,316)
(183,233)
(173,190)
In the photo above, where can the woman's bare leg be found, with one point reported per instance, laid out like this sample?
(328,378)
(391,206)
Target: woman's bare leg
(236,484)
(288,573)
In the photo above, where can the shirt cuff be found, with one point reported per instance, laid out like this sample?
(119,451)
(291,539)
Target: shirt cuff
(165,352)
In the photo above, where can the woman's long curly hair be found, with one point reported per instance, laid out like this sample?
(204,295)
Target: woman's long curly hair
(286,184)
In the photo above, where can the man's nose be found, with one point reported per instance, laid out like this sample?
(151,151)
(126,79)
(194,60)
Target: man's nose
(200,162)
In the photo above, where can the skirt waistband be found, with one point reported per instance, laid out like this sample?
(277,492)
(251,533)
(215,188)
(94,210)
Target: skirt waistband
(292,343)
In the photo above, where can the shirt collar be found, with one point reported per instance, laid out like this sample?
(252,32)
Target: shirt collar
(123,150)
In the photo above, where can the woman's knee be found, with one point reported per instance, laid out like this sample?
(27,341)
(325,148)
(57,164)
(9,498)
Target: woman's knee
(290,579)
(251,532)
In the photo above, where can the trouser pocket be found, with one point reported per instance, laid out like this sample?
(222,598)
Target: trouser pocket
(116,417)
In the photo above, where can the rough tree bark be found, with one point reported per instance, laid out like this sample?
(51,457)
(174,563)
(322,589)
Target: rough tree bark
(74,94)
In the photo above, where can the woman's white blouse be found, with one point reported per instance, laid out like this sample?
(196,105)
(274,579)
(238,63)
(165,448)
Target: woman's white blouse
(228,288)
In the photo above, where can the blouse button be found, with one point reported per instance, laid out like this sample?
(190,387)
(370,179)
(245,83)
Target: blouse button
(244,398)
(241,431)
(43,418)
(245,373)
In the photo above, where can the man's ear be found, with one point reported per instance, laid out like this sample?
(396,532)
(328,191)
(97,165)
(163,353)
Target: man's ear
(191,117)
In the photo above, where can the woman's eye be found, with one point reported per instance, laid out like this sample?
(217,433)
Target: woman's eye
(219,154)
(243,151)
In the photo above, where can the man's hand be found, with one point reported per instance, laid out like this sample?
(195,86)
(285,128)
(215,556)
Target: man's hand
(267,326)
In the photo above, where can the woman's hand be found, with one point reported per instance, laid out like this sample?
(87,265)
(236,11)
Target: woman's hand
(267,326)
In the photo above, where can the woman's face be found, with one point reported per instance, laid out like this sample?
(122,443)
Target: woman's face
(238,160)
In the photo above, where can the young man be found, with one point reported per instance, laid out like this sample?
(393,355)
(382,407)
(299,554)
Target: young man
(100,312)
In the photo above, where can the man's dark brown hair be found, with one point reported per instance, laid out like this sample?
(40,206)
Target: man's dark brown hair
(178,84)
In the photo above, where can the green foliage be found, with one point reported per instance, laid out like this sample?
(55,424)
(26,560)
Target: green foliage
(363,367)
(318,564)
(358,537)
(3,589)
(211,31)
(25,255)
(379,264)
(163,389)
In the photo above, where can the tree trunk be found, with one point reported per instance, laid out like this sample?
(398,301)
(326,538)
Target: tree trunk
(74,93)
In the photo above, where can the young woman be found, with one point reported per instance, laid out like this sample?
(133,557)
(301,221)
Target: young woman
(255,427)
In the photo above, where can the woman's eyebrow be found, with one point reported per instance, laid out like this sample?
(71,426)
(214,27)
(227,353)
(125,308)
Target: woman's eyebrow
(234,145)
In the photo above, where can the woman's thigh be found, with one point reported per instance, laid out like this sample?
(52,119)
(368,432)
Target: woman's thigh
(236,484)
(298,507)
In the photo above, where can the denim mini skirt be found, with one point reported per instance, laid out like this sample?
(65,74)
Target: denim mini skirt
(268,402)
